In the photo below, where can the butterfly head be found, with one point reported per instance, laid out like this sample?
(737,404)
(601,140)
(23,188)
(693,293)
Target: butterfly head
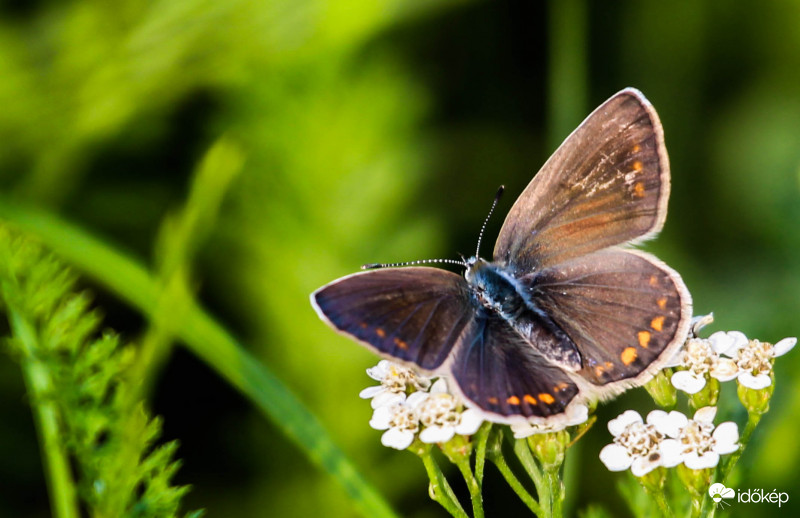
(473,266)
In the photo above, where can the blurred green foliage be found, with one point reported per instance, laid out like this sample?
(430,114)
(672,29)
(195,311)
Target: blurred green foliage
(378,131)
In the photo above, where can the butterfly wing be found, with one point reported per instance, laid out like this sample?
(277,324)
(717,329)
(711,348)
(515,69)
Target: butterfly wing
(607,184)
(414,315)
(625,311)
(496,370)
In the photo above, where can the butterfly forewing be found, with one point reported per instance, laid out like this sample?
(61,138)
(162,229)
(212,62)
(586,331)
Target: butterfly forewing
(625,311)
(414,315)
(499,372)
(607,184)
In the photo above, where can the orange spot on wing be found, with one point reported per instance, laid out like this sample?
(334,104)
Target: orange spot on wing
(637,166)
(653,280)
(636,148)
(513,400)
(657,323)
(493,400)
(644,340)
(400,343)
(380,332)
(561,386)
(547,398)
(638,189)
(363,325)
(599,371)
(530,399)
(628,356)
(662,302)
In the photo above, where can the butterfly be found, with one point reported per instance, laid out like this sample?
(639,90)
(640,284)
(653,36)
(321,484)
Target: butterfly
(567,312)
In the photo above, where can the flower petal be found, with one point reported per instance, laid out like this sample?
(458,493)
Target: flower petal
(727,343)
(470,421)
(576,414)
(725,369)
(397,439)
(671,453)
(705,414)
(416,399)
(694,461)
(434,434)
(439,387)
(615,457)
(381,418)
(526,429)
(379,371)
(387,398)
(701,321)
(726,437)
(676,359)
(688,382)
(784,346)
(371,392)
(754,382)
(618,424)
(668,424)
(643,465)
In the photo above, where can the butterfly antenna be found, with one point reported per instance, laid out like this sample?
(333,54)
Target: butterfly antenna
(483,227)
(372,266)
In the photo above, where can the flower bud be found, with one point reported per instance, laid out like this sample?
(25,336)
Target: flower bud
(756,401)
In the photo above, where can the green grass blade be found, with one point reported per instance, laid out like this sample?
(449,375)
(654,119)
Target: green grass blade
(132,282)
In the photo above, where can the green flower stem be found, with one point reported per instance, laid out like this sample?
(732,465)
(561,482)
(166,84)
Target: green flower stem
(63,498)
(653,484)
(481,440)
(525,457)
(207,339)
(440,490)
(662,503)
(696,482)
(553,479)
(472,484)
(516,485)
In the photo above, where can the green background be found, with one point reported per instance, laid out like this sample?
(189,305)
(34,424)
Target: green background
(379,131)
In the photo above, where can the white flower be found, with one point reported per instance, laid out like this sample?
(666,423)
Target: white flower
(701,358)
(574,415)
(754,359)
(400,419)
(696,442)
(637,445)
(395,380)
(441,415)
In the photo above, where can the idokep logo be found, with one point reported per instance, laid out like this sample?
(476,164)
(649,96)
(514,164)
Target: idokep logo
(757,496)
(718,491)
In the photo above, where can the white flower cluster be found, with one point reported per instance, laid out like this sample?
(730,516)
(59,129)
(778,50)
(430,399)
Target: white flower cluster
(726,356)
(668,439)
(404,408)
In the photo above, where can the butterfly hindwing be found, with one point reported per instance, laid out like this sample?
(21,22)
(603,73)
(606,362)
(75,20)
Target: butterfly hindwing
(625,311)
(607,184)
(502,374)
(414,314)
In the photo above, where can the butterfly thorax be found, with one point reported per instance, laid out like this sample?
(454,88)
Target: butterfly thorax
(495,289)
(500,292)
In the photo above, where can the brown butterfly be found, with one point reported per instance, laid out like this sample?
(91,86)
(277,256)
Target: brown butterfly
(565,312)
